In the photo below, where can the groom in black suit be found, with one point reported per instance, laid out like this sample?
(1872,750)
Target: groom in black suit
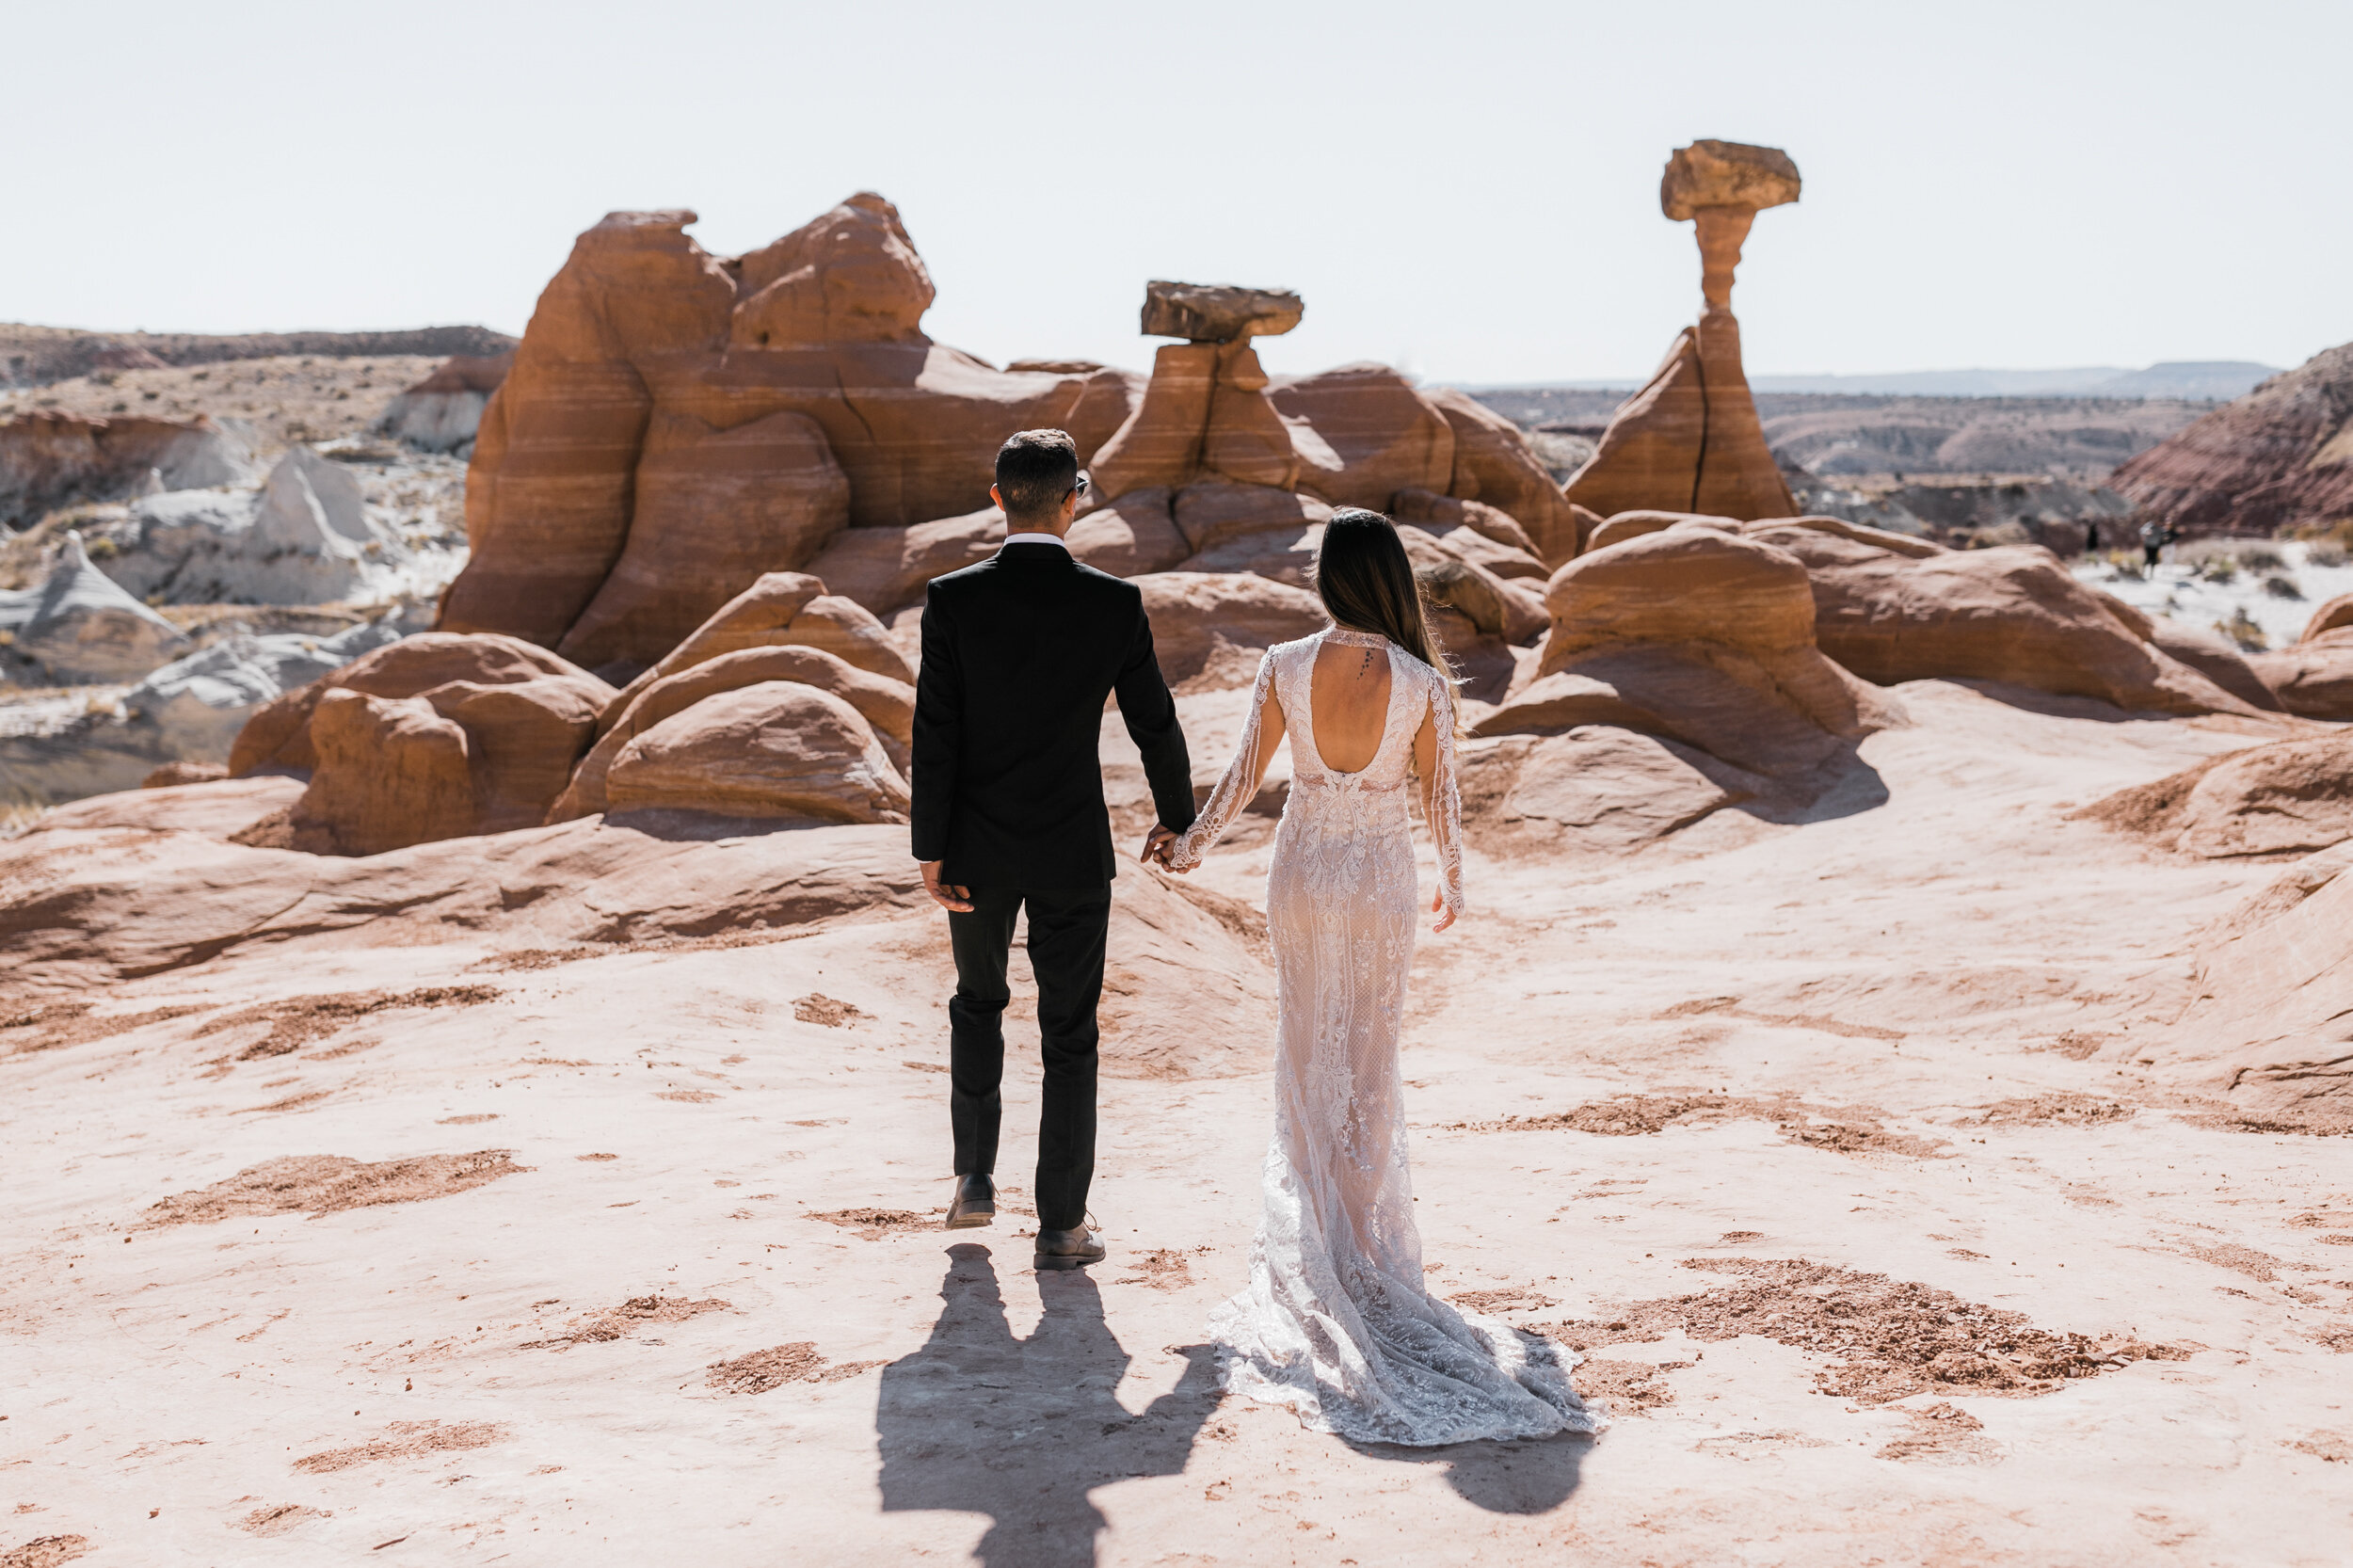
(1019,655)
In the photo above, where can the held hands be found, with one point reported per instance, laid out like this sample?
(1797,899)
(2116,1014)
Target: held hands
(1159,847)
(955,899)
(1437,908)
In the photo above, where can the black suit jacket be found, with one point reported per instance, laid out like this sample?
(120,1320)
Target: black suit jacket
(1019,655)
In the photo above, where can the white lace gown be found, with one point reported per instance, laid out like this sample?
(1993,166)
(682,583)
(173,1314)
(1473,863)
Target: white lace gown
(1335,1324)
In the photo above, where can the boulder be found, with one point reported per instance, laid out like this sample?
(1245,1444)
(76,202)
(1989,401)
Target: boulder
(277,734)
(1218,313)
(78,629)
(783,609)
(885,568)
(1592,786)
(49,459)
(2313,679)
(1381,436)
(1214,511)
(2287,797)
(823,323)
(783,497)
(1711,173)
(1136,534)
(1246,440)
(1901,544)
(2281,456)
(886,705)
(1494,464)
(523,738)
(1703,637)
(1280,554)
(391,773)
(2011,614)
(775,749)
(2209,653)
(1159,447)
(1213,627)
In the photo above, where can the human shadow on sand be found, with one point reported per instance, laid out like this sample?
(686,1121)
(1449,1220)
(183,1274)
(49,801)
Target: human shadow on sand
(1025,1429)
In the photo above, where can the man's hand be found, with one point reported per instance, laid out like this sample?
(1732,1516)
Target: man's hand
(955,899)
(1158,844)
(1437,908)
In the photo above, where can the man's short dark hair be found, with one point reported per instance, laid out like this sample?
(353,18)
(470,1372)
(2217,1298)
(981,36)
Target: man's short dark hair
(1035,469)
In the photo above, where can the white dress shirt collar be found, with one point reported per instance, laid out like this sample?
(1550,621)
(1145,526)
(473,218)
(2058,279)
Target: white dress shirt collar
(1054,540)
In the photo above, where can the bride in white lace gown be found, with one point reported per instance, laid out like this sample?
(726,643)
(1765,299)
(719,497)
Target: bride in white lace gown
(1335,1324)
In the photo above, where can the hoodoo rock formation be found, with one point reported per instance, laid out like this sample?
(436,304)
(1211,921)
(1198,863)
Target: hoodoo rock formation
(1690,439)
(48,460)
(676,423)
(79,629)
(2280,457)
(1204,412)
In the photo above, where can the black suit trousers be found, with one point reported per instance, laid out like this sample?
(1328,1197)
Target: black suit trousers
(1067,934)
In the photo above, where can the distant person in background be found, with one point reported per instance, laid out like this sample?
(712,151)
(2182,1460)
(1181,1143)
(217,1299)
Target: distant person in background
(2092,537)
(2155,537)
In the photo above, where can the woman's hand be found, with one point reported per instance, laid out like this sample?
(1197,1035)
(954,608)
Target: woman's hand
(1437,908)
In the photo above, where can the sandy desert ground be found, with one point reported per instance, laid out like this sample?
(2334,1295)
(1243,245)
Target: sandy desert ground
(552,1250)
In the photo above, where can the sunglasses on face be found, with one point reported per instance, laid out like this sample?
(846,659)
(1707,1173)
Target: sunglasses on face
(1080,487)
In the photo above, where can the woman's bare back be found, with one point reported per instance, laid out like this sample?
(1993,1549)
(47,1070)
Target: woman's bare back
(1350,694)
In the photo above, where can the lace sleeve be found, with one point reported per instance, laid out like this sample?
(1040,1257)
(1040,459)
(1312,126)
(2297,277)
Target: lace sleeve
(1446,799)
(1237,788)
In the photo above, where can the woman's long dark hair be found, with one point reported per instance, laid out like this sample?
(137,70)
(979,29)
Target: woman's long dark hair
(1368,584)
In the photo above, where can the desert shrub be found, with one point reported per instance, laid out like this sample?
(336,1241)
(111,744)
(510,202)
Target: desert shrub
(2217,568)
(2283,588)
(2242,629)
(2330,554)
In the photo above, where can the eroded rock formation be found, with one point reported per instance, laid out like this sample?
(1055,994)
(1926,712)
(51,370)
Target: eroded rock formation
(78,628)
(660,389)
(48,460)
(1689,440)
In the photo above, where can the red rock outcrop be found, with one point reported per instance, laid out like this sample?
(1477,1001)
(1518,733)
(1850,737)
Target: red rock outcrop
(2334,615)
(2312,678)
(775,749)
(1491,536)
(1204,412)
(1495,465)
(2011,614)
(2278,457)
(1690,439)
(1701,636)
(886,705)
(822,324)
(1210,628)
(444,412)
(783,609)
(2287,797)
(887,569)
(1134,535)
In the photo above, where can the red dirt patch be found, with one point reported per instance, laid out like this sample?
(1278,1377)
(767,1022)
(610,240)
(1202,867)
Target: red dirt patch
(2055,1110)
(46,1552)
(778,1364)
(630,1316)
(279,1520)
(53,1026)
(1854,1130)
(873,1224)
(1626,1387)
(329,1183)
(408,1440)
(1943,1433)
(298,1022)
(819,1009)
(1891,1337)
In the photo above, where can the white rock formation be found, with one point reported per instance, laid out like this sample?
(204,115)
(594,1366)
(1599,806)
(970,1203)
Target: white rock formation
(80,629)
(190,711)
(305,538)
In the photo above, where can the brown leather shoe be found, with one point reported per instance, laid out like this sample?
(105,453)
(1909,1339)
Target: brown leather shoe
(975,1203)
(1066,1249)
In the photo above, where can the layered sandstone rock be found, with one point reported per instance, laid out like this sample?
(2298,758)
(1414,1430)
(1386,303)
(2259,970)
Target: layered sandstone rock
(442,412)
(1218,313)
(305,538)
(783,609)
(2281,456)
(1491,536)
(886,705)
(1633,525)
(1690,439)
(2335,615)
(2011,614)
(1495,465)
(1134,535)
(1495,606)
(522,739)
(778,378)
(775,749)
(78,628)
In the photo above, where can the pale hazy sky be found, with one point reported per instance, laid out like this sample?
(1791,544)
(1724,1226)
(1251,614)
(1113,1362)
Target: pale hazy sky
(1465,188)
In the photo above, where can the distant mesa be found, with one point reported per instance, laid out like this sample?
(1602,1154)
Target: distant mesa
(2280,457)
